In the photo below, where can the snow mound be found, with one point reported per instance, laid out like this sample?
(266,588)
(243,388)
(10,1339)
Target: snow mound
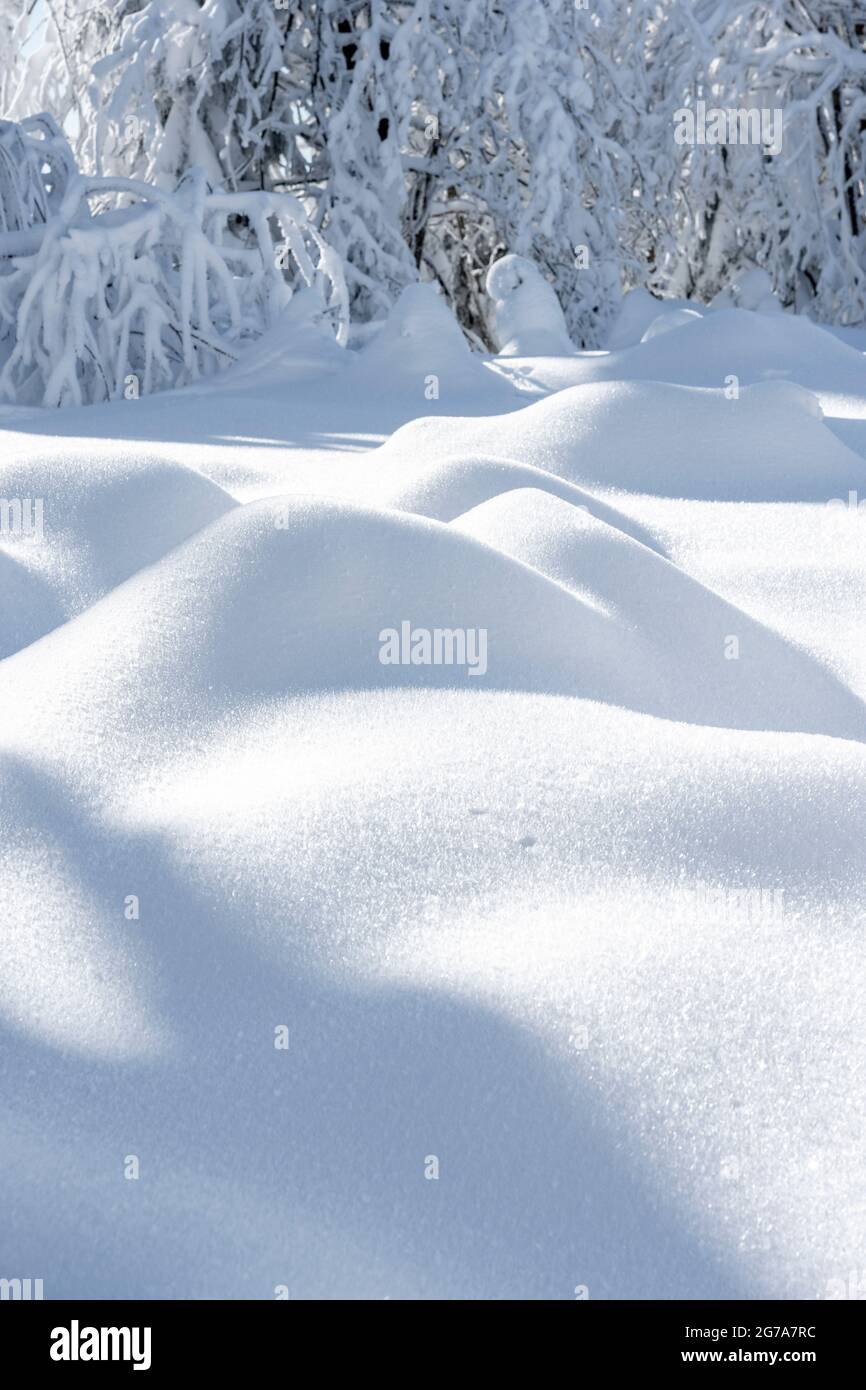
(102,516)
(244,602)
(754,347)
(527,318)
(666,323)
(689,345)
(443,490)
(768,444)
(293,595)
(421,350)
(638,310)
(753,289)
(680,630)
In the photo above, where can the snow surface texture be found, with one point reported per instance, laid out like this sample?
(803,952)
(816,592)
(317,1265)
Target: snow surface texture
(586,928)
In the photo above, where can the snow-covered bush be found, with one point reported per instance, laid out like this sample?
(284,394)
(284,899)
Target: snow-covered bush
(798,212)
(527,317)
(753,289)
(123,288)
(561,110)
(36,165)
(175,84)
(426,139)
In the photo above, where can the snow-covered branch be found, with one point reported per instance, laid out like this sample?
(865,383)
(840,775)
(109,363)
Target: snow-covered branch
(125,288)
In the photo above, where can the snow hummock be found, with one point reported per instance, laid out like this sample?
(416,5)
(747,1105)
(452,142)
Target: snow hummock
(421,350)
(769,443)
(585,928)
(104,514)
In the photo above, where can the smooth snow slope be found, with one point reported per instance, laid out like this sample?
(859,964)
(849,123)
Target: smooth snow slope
(104,515)
(586,929)
(769,444)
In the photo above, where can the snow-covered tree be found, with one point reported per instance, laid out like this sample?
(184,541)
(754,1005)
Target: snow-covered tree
(36,166)
(363,58)
(528,141)
(799,211)
(110,286)
(428,138)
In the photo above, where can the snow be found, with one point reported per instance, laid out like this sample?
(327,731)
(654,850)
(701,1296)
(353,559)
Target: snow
(421,352)
(769,443)
(105,515)
(707,348)
(751,290)
(586,928)
(527,317)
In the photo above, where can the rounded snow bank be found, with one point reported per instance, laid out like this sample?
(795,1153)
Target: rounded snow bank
(75,525)
(294,594)
(753,347)
(442,491)
(679,630)
(751,289)
(527,318)
(767,443)
(665,323)
(639,309)
(301,595)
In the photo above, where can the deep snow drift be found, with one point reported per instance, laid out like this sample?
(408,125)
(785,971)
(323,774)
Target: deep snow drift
(585,927)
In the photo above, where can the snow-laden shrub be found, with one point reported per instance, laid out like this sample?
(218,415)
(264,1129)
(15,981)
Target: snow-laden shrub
(127,288)
(527,319)
(425,139)
(36,165)
(799,212)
